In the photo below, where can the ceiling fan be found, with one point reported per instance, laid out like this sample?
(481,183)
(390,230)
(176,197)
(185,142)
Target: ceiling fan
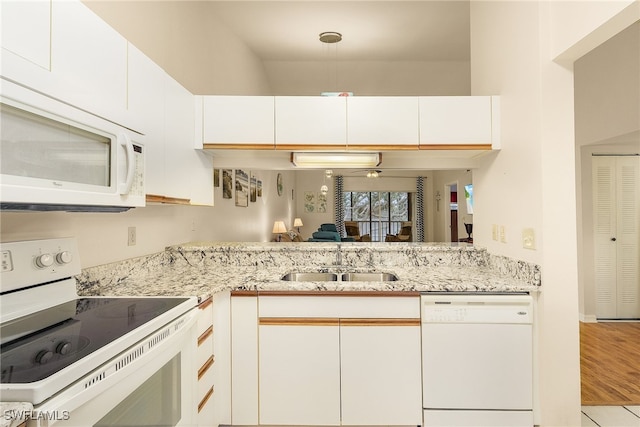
(369,173)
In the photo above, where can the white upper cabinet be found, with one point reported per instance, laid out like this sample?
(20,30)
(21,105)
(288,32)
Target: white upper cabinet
(456,120)
(189,173)
(311,121)
(146,99)
(89,61)
(382,121)
(26,30)
(238,120)
(165,112)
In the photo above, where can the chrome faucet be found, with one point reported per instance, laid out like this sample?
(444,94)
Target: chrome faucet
(339,255)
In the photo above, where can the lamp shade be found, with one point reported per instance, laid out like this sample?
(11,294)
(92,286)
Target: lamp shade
(297,222)
(278,227)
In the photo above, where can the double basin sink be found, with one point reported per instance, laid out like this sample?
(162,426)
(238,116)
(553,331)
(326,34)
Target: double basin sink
(344,277)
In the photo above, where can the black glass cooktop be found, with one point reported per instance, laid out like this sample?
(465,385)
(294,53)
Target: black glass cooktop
(38,345)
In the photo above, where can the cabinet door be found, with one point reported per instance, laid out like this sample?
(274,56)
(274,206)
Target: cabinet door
(380,365)
(382,121)
(146,99)
(26,30)
(312,121)
(299,374)
(455,120)
(89,61)
(239,120)
(189,172)
(244,360)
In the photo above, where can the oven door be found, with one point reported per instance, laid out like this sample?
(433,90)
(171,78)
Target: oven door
(151,384)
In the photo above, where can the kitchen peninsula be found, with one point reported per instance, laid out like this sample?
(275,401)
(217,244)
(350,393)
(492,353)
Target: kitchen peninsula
(265,328)
(205,268)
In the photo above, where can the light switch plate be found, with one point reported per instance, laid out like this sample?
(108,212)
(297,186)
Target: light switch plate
(503,234)
(494,232)
(528,238)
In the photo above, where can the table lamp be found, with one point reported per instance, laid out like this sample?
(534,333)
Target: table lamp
(298,223)
(279,228)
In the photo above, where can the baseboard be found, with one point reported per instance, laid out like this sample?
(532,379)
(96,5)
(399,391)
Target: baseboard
(588,318)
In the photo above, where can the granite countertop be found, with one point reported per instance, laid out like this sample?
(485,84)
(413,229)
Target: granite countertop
(14,413)
(203,269)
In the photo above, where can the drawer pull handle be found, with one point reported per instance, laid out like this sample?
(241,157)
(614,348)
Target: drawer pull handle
(205,399)
(203,370)
(206,334)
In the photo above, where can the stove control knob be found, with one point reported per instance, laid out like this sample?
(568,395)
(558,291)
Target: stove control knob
(44,260)
(44,356)
(63,348)
(64,257)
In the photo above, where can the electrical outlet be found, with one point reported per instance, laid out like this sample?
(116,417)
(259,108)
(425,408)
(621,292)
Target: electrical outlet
(503,234)
(131,236)
(528,238)
(494,232)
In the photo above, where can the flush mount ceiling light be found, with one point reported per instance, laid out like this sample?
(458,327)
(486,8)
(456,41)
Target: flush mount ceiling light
(373,173)
(336,160)
(330,37)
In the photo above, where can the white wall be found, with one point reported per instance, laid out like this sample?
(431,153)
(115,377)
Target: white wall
(216,63)
(366,78)
(513,45)
(608,89)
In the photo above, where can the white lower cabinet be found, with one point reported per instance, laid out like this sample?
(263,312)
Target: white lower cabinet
(299,374)
(204,364)
(244,359)
(380,365)
(326,360)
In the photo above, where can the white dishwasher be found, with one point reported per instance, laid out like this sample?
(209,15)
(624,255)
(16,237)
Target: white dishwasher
(477,359)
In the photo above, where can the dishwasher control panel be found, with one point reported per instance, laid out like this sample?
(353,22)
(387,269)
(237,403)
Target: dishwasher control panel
(506,308)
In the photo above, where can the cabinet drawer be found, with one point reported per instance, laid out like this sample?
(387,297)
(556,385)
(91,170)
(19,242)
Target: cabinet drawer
(340,307)
(205,350)
(205,377)
(205,315)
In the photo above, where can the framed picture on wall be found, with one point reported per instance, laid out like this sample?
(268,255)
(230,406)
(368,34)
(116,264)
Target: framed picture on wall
(227,184)
(216,177)
(309,201)
(279,184)
(242,188)
(253,189)
(321,203)
(259,188)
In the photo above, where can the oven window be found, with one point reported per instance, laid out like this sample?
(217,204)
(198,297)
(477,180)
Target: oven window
(34,146)
(155,403)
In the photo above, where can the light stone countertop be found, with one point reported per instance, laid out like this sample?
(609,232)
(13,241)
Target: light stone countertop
(205,268)
(14,413)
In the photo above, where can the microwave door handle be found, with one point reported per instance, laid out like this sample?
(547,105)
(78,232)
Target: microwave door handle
(125,187)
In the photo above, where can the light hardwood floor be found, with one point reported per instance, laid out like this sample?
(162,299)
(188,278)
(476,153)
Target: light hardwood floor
(610,363)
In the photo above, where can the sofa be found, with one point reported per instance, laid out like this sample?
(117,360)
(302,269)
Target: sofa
(328,233)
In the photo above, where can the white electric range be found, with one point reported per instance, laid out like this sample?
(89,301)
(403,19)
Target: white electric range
(92,361)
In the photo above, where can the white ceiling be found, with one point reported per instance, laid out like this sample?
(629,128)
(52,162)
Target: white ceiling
(426,30)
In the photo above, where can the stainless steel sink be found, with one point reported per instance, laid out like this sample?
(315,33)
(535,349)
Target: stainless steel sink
(310,277)
(368,277)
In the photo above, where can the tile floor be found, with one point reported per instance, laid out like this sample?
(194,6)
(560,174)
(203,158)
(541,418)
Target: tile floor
(611,416)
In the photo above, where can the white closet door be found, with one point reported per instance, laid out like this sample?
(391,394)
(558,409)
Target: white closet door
(616,206)
(628,236)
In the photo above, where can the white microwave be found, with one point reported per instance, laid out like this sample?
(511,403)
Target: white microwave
(55,156)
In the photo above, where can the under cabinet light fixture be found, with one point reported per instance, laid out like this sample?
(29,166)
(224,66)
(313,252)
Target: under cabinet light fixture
(336,160)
